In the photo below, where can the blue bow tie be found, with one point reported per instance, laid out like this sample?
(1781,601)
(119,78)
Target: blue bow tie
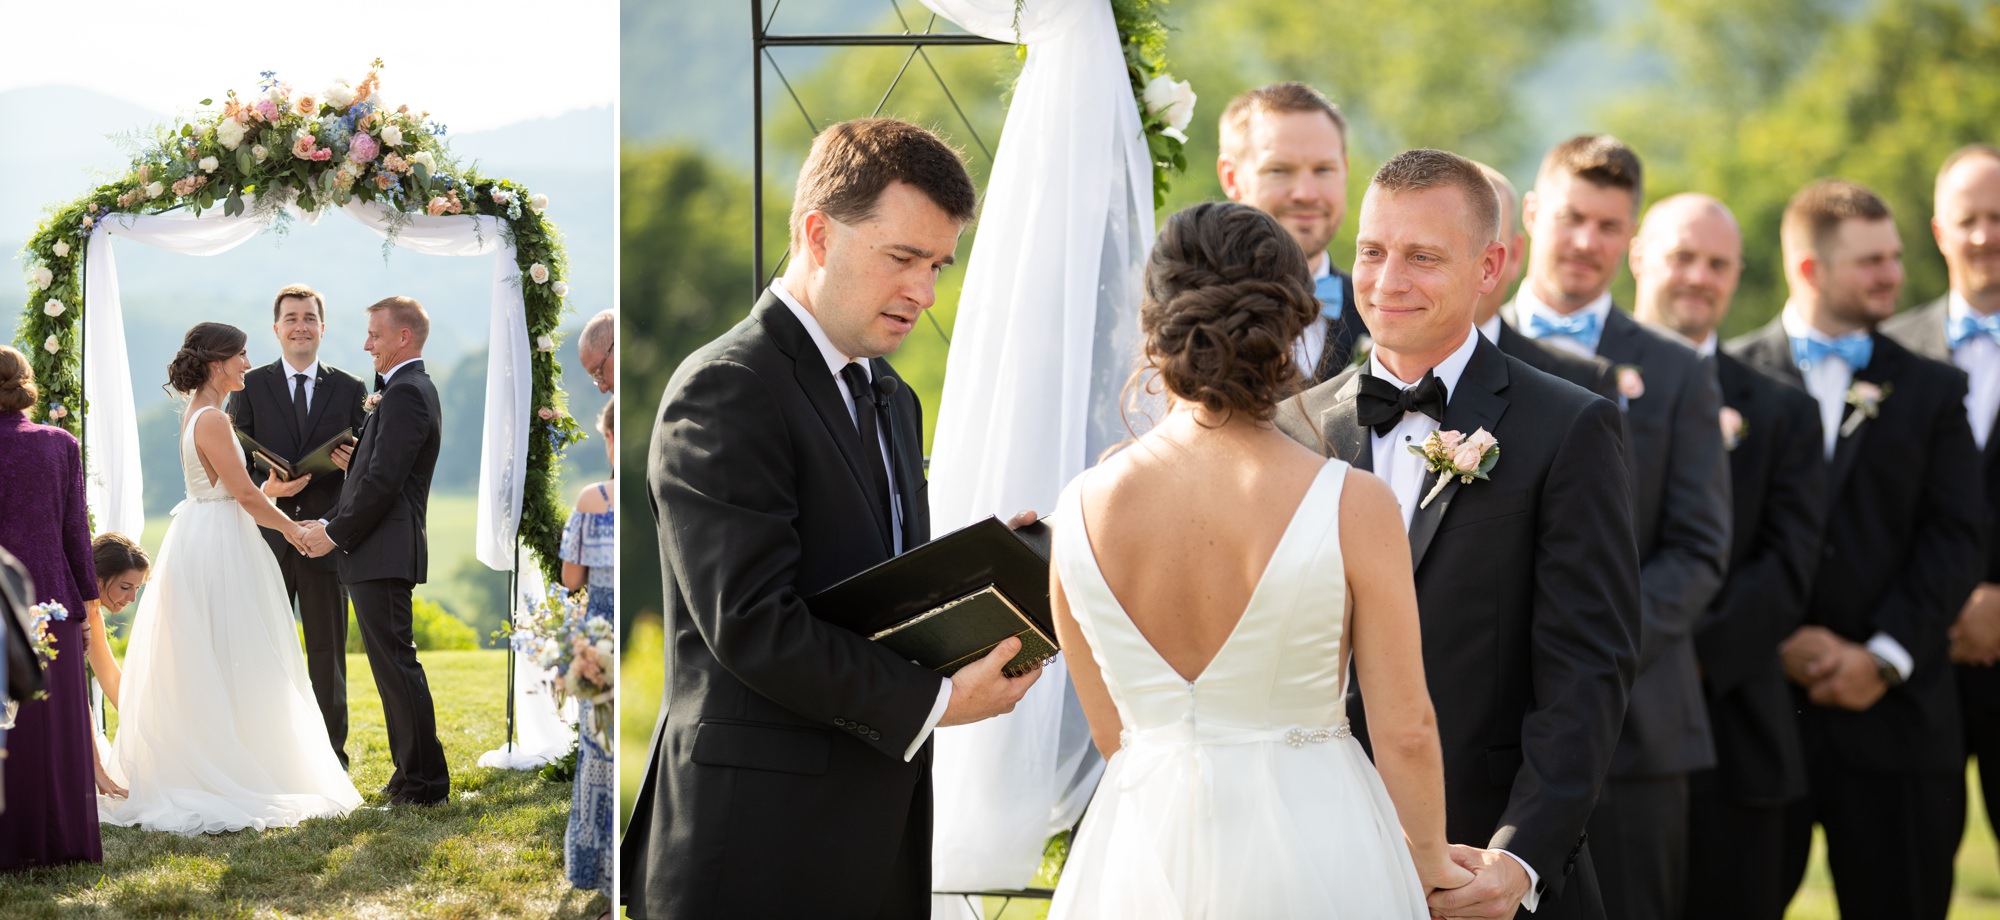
(1961,328)
(1332,297)
(1855,348)
(1582,326)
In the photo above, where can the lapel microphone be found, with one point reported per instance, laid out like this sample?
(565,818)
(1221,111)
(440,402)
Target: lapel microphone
(885,387)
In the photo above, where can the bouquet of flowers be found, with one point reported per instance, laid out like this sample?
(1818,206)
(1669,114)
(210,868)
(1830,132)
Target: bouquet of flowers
(578,650)
(44,645)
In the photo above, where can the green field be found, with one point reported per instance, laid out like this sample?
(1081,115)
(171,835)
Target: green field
(494,850)
(1976,897)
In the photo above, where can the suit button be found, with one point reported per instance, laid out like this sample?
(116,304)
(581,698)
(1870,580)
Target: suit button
(875,736)
(863,729)
(840,722)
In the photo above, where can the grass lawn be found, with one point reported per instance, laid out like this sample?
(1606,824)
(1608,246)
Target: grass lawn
(494,850)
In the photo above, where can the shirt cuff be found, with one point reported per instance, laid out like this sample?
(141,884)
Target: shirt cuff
(1893,652)
(323,533)
(1534,895)
(930,724)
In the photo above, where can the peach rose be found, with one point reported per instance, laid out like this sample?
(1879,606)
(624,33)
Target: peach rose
(1482,439)
(1466,457)
(1450,440)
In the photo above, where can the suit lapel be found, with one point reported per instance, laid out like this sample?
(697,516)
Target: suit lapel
(1621,342)
(1346,438)
(906,453)
(1771,349)
(1881,370)
(809,369)
(1928,338)
(1475,403)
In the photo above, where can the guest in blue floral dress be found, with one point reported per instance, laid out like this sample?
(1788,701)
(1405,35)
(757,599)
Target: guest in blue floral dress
(588,552)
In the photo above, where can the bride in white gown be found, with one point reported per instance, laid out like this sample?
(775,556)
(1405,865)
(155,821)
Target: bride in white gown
(1207,580)
(218,729)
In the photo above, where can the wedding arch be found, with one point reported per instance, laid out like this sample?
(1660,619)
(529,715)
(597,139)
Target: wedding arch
(209,182)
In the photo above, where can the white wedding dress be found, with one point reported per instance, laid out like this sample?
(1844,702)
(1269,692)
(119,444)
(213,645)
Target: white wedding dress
(217,728)
(1240,794)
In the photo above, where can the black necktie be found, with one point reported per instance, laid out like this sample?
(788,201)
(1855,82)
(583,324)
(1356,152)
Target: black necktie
(299,404)
(1382,404)
(863,396)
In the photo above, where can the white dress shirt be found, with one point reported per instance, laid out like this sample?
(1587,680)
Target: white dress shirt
(1491,329)
(835,363)
(1979,357)
(1828,381)
(1312,343)
(391,375)
(311,370)
(1526,304)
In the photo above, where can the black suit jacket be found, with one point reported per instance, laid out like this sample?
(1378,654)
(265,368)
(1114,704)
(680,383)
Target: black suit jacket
(1777,473)
(776,784)
(1594,374)
(1342,335)
(379,524)
(1527,587)
(263,410)
(1922,331)
(1904,546)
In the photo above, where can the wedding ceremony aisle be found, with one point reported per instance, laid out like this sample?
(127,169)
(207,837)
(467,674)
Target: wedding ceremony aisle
(493,850)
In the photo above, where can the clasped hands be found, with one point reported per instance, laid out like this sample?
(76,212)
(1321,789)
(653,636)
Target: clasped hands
(1835,672)
(1476,885)
(1975,637)
(310,538)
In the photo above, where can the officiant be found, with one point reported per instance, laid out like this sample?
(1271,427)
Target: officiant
(294,405)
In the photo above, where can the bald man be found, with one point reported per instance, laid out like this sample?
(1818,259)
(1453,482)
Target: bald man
(1592,373)
(1686,260)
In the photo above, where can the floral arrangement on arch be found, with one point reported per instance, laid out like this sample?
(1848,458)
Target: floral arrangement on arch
(280,146)
(579,651)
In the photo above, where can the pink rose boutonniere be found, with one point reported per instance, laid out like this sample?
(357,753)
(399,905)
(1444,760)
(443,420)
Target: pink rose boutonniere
(1631,384)
(1451,454)
(1733,428)
(369,402)
(1866,398)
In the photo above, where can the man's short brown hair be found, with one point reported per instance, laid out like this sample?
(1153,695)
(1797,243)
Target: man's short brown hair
(1289,96)
(406,313)
(1599,159)
(1815,214)
(1424,168)
(303,292)
(851,163)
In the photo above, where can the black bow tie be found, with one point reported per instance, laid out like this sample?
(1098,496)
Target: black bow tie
(380,383)
(1382,404)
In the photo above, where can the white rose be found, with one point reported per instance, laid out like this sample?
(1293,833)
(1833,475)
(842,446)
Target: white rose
(1171,100)
(560,288)
(230,133)
(155,190)
(51,345)
(539,272)
(538,203)
(392,135)
(424,157)
(62,249)
(340,95)
(53,307)
(545,343)
(41,277)
(258,153)
(208,164)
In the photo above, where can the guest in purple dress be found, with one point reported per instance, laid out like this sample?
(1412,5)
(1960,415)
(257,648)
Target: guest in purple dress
(51,814)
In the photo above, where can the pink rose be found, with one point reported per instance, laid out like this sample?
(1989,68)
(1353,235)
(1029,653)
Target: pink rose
(1482,439)
(362,149)
(438,206)
(1450,440)
(1467,457)
(546,413)
(322,155)
(266,109)
(1630,384)
(303,146)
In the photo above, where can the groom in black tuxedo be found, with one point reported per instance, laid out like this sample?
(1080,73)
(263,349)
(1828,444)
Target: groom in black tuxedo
(790,768)
(378,529)
(1527,582)
(293,405)
(1904,545)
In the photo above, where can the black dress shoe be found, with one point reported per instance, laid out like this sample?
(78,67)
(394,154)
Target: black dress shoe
(402,799)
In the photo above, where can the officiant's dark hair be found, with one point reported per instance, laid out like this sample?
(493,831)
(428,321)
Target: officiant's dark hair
(303,292)
(205,344)
(852,162)
(17,381)
(1227,293)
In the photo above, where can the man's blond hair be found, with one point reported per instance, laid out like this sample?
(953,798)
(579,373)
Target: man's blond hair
(406,313)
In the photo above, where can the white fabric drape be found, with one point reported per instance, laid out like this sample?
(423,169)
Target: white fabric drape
(1045,339)
(112,432)
(542,734)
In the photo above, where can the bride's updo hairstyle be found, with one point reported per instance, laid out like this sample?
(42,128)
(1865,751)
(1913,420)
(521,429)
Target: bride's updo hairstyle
(1227,293)
(204,345)
(17,381)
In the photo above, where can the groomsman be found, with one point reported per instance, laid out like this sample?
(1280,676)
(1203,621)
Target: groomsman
(790,772)
(1686,261)
(1878,706)
(1963,328)
(1581,215)
(292,405)
(1284,152)
(1528,580)
(1592,373)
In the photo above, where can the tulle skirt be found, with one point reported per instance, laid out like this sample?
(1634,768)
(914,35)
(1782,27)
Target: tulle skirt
(218,728)
(1251,829)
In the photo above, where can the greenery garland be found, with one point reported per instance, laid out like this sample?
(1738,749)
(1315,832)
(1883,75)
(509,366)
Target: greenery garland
(278,147)
(1165,105)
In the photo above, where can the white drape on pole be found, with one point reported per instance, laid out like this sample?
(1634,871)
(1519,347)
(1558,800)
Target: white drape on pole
(541,733)
(1045,339)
